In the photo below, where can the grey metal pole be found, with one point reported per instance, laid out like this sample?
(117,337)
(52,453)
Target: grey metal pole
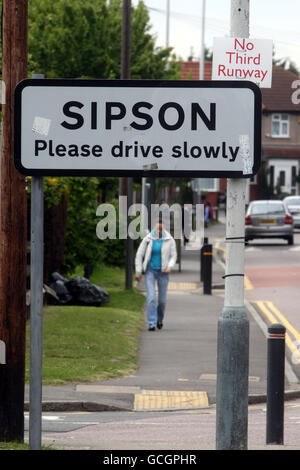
(168,23)
(233,325)
(36,309)
(167,28)
(201,71)
(202,52)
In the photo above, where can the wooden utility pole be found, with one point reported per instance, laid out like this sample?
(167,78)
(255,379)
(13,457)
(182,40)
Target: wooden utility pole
(12,230)
(125,67)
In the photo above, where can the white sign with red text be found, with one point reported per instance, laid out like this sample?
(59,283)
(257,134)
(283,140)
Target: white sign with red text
(243,59)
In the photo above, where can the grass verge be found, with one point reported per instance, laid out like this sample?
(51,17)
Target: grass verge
(84,344)
(19,446)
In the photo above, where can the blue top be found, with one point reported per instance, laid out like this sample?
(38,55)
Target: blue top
(155,260)
(206,214)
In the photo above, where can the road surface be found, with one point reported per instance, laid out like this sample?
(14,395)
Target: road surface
(272,271)
(158,430)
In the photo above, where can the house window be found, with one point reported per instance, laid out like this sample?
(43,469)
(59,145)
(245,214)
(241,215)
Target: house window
(209,184)
(280,125)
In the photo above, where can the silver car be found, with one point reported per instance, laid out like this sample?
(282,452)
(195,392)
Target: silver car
(268,219)
(293,206)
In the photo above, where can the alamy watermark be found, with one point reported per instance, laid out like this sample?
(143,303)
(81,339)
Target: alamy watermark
(296,94)
(137,220)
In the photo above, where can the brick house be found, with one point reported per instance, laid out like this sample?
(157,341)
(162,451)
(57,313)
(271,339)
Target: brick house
(280,169)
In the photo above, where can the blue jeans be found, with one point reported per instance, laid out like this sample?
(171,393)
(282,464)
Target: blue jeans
(156,310)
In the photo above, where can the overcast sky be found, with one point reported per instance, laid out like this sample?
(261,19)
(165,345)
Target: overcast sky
(278,20)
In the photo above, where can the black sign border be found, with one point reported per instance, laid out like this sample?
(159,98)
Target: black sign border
(61,82)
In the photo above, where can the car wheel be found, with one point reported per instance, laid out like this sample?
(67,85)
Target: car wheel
(291,240)
(246,241)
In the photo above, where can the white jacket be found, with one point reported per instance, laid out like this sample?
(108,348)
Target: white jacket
(168,252)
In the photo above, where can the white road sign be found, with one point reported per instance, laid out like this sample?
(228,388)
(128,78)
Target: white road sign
(243,59)
(128,128)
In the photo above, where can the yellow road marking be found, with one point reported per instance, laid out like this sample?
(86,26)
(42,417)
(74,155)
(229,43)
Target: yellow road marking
(274,316)
(264,309)
(285,322)
(247,283)
(222,248)
(165,399)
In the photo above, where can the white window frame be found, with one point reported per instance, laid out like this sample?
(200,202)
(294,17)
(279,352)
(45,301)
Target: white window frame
(214,187)
(277,117)
(284,165)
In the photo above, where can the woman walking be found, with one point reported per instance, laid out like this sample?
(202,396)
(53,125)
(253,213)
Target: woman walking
(155,257)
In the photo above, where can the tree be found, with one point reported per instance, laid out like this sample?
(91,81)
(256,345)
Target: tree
(208,55)
(185,194)
(286,63)
(82,38)
(63,36)
(55,214)
(82,246)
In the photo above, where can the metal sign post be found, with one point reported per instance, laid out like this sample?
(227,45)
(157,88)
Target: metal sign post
(36,309)
(127,183)
(233,325)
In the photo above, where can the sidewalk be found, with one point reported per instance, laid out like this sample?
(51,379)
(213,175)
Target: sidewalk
(177,369)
